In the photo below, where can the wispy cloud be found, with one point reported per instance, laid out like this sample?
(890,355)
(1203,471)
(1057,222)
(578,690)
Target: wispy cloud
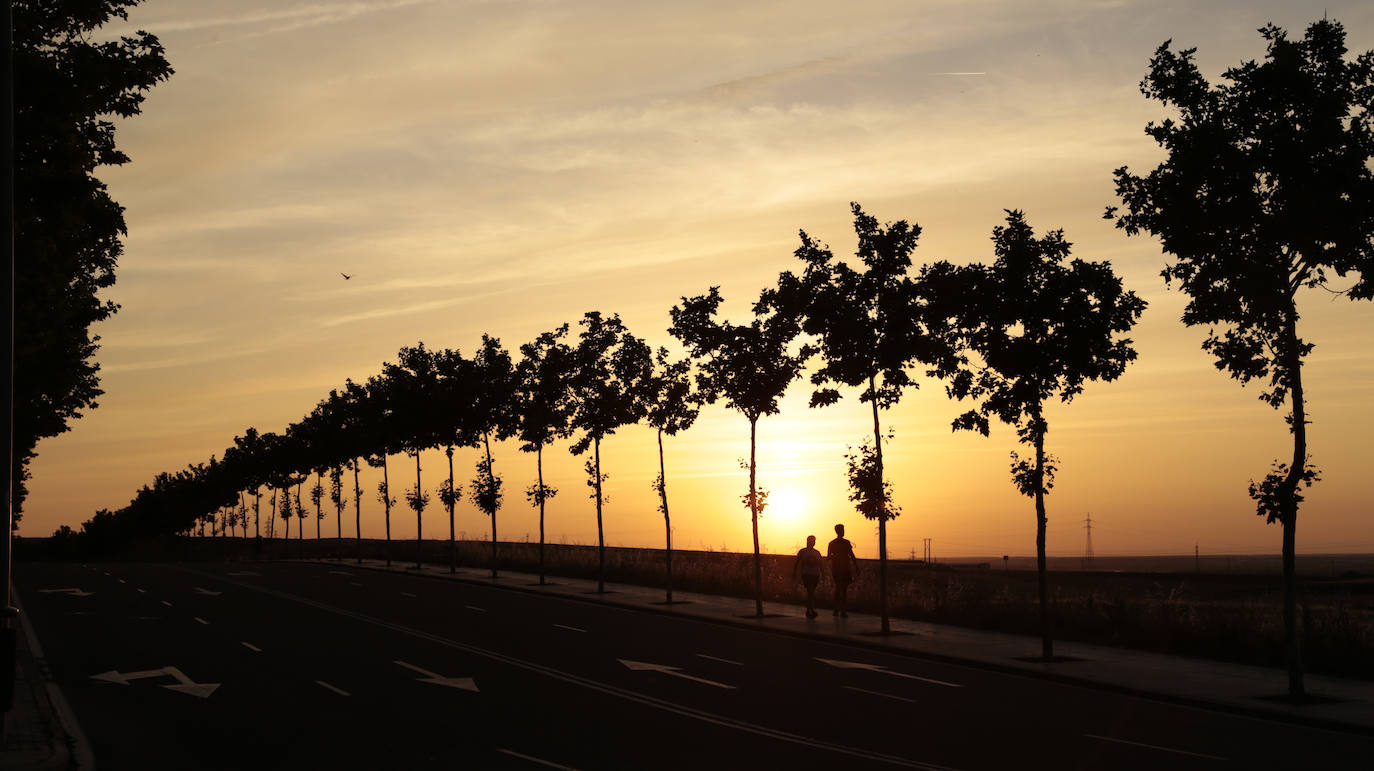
(285,19)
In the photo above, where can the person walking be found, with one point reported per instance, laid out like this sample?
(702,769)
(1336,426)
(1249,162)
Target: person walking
(808,569)
(843,566)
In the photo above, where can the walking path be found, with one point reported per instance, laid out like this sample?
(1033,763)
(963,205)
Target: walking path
(1347,704)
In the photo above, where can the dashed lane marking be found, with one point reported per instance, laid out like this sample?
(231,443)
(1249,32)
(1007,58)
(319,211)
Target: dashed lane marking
(168,604)
(723,661)
(532,759)
(407,594)
(140,591)
(1154,747)
(122,581)
(570,628)
(354,583)
(251,647)
(879,693)
(474,607)
(329,687)
(202,621)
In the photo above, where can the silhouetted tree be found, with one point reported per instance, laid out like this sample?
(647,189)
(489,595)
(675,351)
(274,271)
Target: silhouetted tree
(69,83)
(670,406)
(452,403)
(871,326)
(413,382)
(749,366)
(609,367)
(492,411)
(1266,188)
(337,497)
(543,408)
(1038,329)
(383,439)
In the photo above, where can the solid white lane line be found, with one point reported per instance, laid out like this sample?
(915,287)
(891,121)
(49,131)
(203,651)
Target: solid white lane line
(879,693)
(203,621)
(251,647)
(474,607)
(569,628)
(329,687)
(531,759)
(723,661)
(168,604)
(407,594)
(1154,747)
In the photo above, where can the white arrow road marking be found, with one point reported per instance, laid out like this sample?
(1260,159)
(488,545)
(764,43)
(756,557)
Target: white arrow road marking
(184,684)
(884,670)
(640,666)
(251,647)
(1153,747)
(73,592)
(723,661)
(880,693)
(202,621)
(465,683)
(207,592)
(243,573)
(570,628)
(532,759)
(329,687)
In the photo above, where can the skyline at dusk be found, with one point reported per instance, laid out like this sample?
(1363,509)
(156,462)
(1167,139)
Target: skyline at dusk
(504,167)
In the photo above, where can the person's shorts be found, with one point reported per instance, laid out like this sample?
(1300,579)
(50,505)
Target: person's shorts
(810,582)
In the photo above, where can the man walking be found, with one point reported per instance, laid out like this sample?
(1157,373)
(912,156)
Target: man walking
(808,569)
(843,566)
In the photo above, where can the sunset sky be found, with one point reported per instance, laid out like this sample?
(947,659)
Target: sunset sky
(503,167)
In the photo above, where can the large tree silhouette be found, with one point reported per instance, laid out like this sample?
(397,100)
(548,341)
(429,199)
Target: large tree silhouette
(69,84)
(380,426)
(543,407)
(1037,329)
(871,326)
(1266,190)
(747,365)
(609,367)
(492,412)
(670,406)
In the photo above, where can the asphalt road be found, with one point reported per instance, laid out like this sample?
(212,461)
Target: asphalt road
(328,666)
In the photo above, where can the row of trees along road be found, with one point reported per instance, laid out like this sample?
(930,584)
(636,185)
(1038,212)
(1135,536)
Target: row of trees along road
(1266,190)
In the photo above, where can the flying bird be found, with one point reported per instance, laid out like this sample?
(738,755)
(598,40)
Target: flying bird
(345,275)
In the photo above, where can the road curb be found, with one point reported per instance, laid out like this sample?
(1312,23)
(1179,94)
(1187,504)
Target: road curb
(1065,679)
(72,750)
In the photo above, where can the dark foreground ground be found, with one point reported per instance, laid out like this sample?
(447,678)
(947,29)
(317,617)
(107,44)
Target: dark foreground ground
(321,666)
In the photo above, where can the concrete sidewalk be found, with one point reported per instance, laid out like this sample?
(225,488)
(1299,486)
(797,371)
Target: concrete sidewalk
(1344,704)
(40,732)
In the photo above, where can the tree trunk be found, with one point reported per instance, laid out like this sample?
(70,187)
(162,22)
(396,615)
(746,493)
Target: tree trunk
(754,513)
(1292,645)
(319,482)
(357,511)
(882,512)
(667,523)
(300,513)
(419,533)
(539,464)
(272,523)
(257,508)
(285,503)
(452,541)
(491,478)
(1046,634)
(386,504)
(600,533)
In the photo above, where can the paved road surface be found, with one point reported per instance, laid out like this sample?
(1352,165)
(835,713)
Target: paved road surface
(322,666)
